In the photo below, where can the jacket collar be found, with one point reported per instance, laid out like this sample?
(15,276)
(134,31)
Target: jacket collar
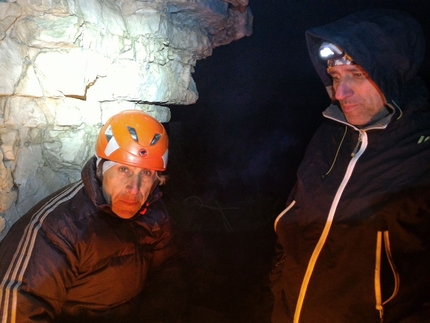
(333,112)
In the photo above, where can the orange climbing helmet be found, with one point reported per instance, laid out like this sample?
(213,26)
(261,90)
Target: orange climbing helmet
(134,138)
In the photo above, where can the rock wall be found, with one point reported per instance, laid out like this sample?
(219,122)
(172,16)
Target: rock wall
(68,65)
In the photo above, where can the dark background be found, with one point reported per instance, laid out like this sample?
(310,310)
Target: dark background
(234,154)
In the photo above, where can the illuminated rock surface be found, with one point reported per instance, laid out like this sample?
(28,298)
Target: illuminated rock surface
(67,66)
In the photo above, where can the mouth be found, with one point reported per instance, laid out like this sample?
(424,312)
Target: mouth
(348,107)
(127,202)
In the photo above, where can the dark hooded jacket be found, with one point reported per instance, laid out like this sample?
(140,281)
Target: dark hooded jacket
(354,241)
(70,259)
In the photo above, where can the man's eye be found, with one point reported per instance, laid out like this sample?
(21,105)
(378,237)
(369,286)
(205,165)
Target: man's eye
(361,75)
(123,169)
(146,173)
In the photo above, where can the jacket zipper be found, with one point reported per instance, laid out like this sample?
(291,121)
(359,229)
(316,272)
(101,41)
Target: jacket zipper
(378,289)
(357,146)
(356,154)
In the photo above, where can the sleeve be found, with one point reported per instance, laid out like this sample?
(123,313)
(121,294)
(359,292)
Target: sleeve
(34,272)
(165,291)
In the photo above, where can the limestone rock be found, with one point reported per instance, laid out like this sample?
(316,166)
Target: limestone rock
(66,66)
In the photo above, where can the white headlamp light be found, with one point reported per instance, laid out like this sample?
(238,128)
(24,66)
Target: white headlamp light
(334,55)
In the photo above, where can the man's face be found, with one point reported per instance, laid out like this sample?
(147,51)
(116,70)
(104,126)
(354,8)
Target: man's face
(126,188)
(360,99)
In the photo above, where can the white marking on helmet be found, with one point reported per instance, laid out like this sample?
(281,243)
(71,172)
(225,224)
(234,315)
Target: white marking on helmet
(111,146)
(165,157)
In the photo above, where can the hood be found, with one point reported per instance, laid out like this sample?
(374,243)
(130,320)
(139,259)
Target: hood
(388,44)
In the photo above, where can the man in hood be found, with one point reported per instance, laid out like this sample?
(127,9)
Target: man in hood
(354,240)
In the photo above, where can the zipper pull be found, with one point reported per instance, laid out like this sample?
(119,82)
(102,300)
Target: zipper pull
(357,146)
(381,313)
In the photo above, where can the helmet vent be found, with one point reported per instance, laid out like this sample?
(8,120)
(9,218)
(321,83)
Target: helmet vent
(142,152)
(108,133)
(133,133)
(155,139)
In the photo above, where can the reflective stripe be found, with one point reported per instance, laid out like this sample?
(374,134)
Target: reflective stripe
(326,230)
(283,212)
(14,275)
(378,291)
(392,265)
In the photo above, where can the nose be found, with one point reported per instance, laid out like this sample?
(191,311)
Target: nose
(343,89)
(133,185)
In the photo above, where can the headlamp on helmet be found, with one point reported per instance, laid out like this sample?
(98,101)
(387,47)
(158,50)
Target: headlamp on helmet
(334,55)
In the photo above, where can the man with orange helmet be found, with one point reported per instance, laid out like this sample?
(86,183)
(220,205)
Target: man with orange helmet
(100,249)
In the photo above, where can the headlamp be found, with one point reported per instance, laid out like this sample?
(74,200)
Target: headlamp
(334,55)
(330,51)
